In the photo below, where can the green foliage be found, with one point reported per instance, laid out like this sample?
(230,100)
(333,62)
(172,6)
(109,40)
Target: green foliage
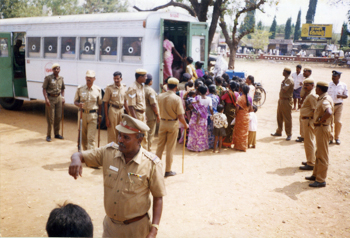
(259,26)
(273,28)
(249,19)
(288,29)
(310,15)
(344,35)
(260,39)
(98,6)
(297,29)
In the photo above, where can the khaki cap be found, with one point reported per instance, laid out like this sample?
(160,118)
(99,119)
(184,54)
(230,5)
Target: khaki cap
(90,73)
(287,69)
(173,81)
(322,83)
(309,81)
(55,65)
(141,71)
(130,125)
(307,69)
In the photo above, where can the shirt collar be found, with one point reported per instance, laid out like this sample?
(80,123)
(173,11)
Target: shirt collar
(87,88)
(136,159)
(322,96)
(139,85)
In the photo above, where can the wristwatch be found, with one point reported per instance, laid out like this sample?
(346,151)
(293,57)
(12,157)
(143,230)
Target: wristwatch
(156,226)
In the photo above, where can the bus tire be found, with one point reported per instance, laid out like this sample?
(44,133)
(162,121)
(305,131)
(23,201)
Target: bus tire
(11,103)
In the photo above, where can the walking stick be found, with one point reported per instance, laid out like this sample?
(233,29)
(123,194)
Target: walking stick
(62,118)
(99,127)
(183,153)
(80,131)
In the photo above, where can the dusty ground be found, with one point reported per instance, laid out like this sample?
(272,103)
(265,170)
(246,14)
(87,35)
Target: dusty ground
(260,193)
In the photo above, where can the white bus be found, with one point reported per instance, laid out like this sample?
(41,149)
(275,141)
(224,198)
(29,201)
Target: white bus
(102,42)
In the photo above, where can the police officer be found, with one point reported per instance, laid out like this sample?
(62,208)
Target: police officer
(130,173)
(338,91)
(53,90)
(322,120)
(115,98)
(171,110)
(88,98)
(152,111)
(285,102)
(306,122)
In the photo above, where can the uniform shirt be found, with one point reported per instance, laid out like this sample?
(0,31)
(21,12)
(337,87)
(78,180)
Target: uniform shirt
(127,186)
(136,96)
(90,97)
(170,105)
(297,78)
(287,88)
(151,98)
(114,94)
(309,105)
(53,85)
(324,102)
(334,90)
(219,120)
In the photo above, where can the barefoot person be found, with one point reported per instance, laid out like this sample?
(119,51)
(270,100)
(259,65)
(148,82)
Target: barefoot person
(298,79)
(220,123)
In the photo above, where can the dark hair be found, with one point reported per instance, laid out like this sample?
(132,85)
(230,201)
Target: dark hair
(203,89)
(220,108)
(189,84)
(299,66)
(218,80)
(191,93)
(233,85)
(148,80)
(116,73)
(166,80)
(212,89)
(245,90)
(198,65)
(226,77)
(172,86)
(69,220)
(288,73)
(197,83)
(323,88)
(251,78)
(189,59)
(138,75)
(224,84)
(208,82)
(255,108)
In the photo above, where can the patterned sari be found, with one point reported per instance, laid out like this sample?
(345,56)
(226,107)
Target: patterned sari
(230,112)
(211,137)
(198,136)
(241,130)
(168,59)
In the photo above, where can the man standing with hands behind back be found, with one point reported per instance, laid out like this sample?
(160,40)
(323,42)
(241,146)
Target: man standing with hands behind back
(53,88)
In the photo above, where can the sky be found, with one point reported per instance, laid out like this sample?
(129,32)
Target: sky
(325,12)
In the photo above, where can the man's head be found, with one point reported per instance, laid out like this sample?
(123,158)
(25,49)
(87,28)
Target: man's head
(141,75)
(249,80)
(130,134)
(172,83)
(90,78)
(286,72)
(69,220)
(321,87)
(149,80)
(336,76)
(298,68)
(189,60)
(307,72)
(308,84)
(56,69)
(117,77)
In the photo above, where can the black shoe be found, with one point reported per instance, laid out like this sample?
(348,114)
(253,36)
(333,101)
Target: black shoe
(276,134)
(317,184)
(58,137)
(331,142)
(288,138)
(300,139)
(311,178)
(304,163)
(48,138)
(306,167)
(337,141)
(171,173)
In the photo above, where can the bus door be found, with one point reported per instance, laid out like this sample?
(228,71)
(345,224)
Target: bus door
(197,42)
(161,63)
(6,69)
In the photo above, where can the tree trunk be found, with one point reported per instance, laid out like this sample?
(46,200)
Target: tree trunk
(214,22)
(232,58)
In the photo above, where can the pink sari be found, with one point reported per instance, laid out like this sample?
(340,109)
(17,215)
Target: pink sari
(168,59)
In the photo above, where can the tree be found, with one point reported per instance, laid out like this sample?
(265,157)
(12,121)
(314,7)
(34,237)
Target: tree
(310,15)
(98,6)
(273,28)
(344,36)
(297,30)
(288,29)
(260,39)
(249,19)
(259,26)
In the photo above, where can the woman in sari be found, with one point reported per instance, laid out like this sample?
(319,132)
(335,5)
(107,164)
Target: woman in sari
(168,48)
(198,136)
(215,101)
(241,130)
(230,98)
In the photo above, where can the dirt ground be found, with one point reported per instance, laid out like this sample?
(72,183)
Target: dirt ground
(260,193)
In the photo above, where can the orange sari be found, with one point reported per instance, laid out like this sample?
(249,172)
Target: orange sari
(241,129)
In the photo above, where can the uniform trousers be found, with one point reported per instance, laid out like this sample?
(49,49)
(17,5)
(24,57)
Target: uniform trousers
(142,117)
(284,113)
(322,134)
(115,117)
(53,115)
(152,124)
(301,127)
(167,135)
(89,130)
(137,229)
(335,130)
(309,140)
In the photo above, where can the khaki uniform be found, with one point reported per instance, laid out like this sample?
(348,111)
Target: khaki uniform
(322,134)
(303,94)
(114,96)
(151,98)
(284,108)
(170,107)
(92,99)
(127,188)
(53,86)
(307,123)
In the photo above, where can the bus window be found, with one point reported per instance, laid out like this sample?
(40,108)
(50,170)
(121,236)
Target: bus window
(68,47)
(4,50)
(87,48)
(108,48)
(34,47)
(132,49)
(50,47)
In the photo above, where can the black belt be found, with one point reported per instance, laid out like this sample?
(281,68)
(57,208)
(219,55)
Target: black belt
(307,118)
(320,125)
(53,95)
(337,104)
(168,119)
(116,106)
(140,111)
(89,111)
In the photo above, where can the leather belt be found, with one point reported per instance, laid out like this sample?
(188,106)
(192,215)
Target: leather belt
(126,222)
(285,98)
(168,119)
(88,111)
(320,125)
(53,95)
(307,118)
(140,111)
(337,104)
(116,106)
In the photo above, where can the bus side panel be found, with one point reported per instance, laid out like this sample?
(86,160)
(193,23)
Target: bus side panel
(6,70)
(197,41)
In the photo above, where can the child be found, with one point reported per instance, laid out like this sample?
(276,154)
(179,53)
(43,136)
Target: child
(220,123)
(199,69)
(190,68)
(219,88)
(253,126)
(189,86)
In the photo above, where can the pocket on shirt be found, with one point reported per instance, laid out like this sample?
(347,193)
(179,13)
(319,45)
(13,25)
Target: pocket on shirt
(135,182)
(110,178)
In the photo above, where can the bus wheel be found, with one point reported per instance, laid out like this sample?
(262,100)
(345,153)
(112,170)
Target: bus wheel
(11,103)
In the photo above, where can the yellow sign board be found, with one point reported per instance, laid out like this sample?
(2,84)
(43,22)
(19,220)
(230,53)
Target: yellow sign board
(316,31)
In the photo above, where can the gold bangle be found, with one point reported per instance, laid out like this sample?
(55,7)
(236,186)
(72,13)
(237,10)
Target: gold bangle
(156,226)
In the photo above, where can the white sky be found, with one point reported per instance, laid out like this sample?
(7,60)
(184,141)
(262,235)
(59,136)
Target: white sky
(325,13)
